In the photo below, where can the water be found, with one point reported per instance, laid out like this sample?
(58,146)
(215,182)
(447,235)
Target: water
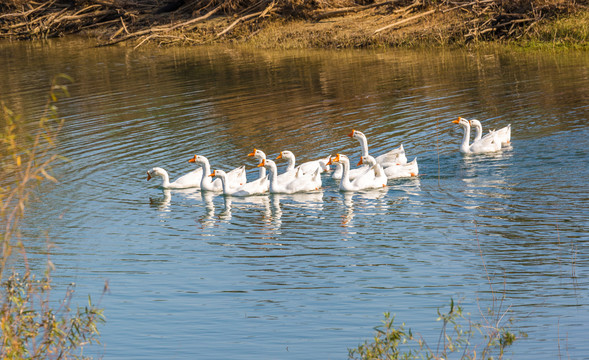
(308,276)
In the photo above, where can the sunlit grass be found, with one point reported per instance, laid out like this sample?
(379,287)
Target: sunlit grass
(570,31)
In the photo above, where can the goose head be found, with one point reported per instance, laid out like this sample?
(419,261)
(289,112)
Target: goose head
(258,154)
(462,122)
(368,160)
(338,159)
(156,171)
(285,155)
(267,163)
(357,134)
(198,159)
(218,173)
(475,123)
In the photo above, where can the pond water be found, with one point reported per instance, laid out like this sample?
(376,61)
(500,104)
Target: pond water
(308,276)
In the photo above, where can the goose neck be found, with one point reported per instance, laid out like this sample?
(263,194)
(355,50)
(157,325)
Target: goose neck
(465,147)
(223,183)
(165,178)
(291,163)
(345,171)
(363,144)
(262,172)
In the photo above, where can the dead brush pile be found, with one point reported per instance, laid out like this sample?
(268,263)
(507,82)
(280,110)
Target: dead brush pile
(185,20)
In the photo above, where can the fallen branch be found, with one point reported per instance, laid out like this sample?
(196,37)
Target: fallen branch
(159,29)
(468,4)
(233,24)
(247,17)
(192,21)
(82,16)
(27,13)
(401,22)
(338,12)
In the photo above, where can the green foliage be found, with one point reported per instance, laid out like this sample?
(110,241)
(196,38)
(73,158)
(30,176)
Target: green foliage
(32,328)
(31,325)
(386,342)
(564,32)
(456,339)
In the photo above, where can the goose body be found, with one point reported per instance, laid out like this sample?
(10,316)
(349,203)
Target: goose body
(234,178)
(484,145)
(373,179)
(308,167)
(299,183)
(503,134)
(394,171)
(189,180)
(247,189)
(395,156)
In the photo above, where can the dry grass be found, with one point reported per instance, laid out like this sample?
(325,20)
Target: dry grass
(293,23)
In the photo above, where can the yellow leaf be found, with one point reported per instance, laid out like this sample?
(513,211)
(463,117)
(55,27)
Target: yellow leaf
(18,161)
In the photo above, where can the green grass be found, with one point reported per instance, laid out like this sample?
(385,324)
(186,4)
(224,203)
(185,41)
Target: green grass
(564,32)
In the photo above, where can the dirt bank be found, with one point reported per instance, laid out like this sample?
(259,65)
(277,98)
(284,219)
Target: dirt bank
(301,23)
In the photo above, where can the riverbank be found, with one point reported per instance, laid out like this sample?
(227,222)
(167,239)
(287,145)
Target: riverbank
(291,24)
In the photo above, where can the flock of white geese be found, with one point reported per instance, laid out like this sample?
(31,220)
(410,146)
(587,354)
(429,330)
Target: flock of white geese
(370,173)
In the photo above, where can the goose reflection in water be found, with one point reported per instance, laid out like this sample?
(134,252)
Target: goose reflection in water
(487,180)
(244,204)
(371,202)
(311,203)
(208,218)
(162,203)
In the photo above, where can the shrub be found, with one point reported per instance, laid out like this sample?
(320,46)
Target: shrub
(32,326)
(456,337)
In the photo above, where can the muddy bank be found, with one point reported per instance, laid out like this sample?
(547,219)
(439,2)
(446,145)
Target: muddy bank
(296,24)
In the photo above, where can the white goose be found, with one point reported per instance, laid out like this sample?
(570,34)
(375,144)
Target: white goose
(286,176)
(504,134)
(260,155)
(308,167)
(394,171)
(373,179)
(484,145)
(393,157)
(300,182)
(247,189)
(235,177)
(262,179)
(189,180)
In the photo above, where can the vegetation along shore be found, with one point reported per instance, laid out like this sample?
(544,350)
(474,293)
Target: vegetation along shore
(303,23)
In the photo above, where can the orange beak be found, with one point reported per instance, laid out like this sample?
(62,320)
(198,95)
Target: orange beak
(148,176)
(457,121)
(262,163)
(333,159)
(212,174)
(360,162)
(279,156)
(253,153)
(351,134)
(192,160)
